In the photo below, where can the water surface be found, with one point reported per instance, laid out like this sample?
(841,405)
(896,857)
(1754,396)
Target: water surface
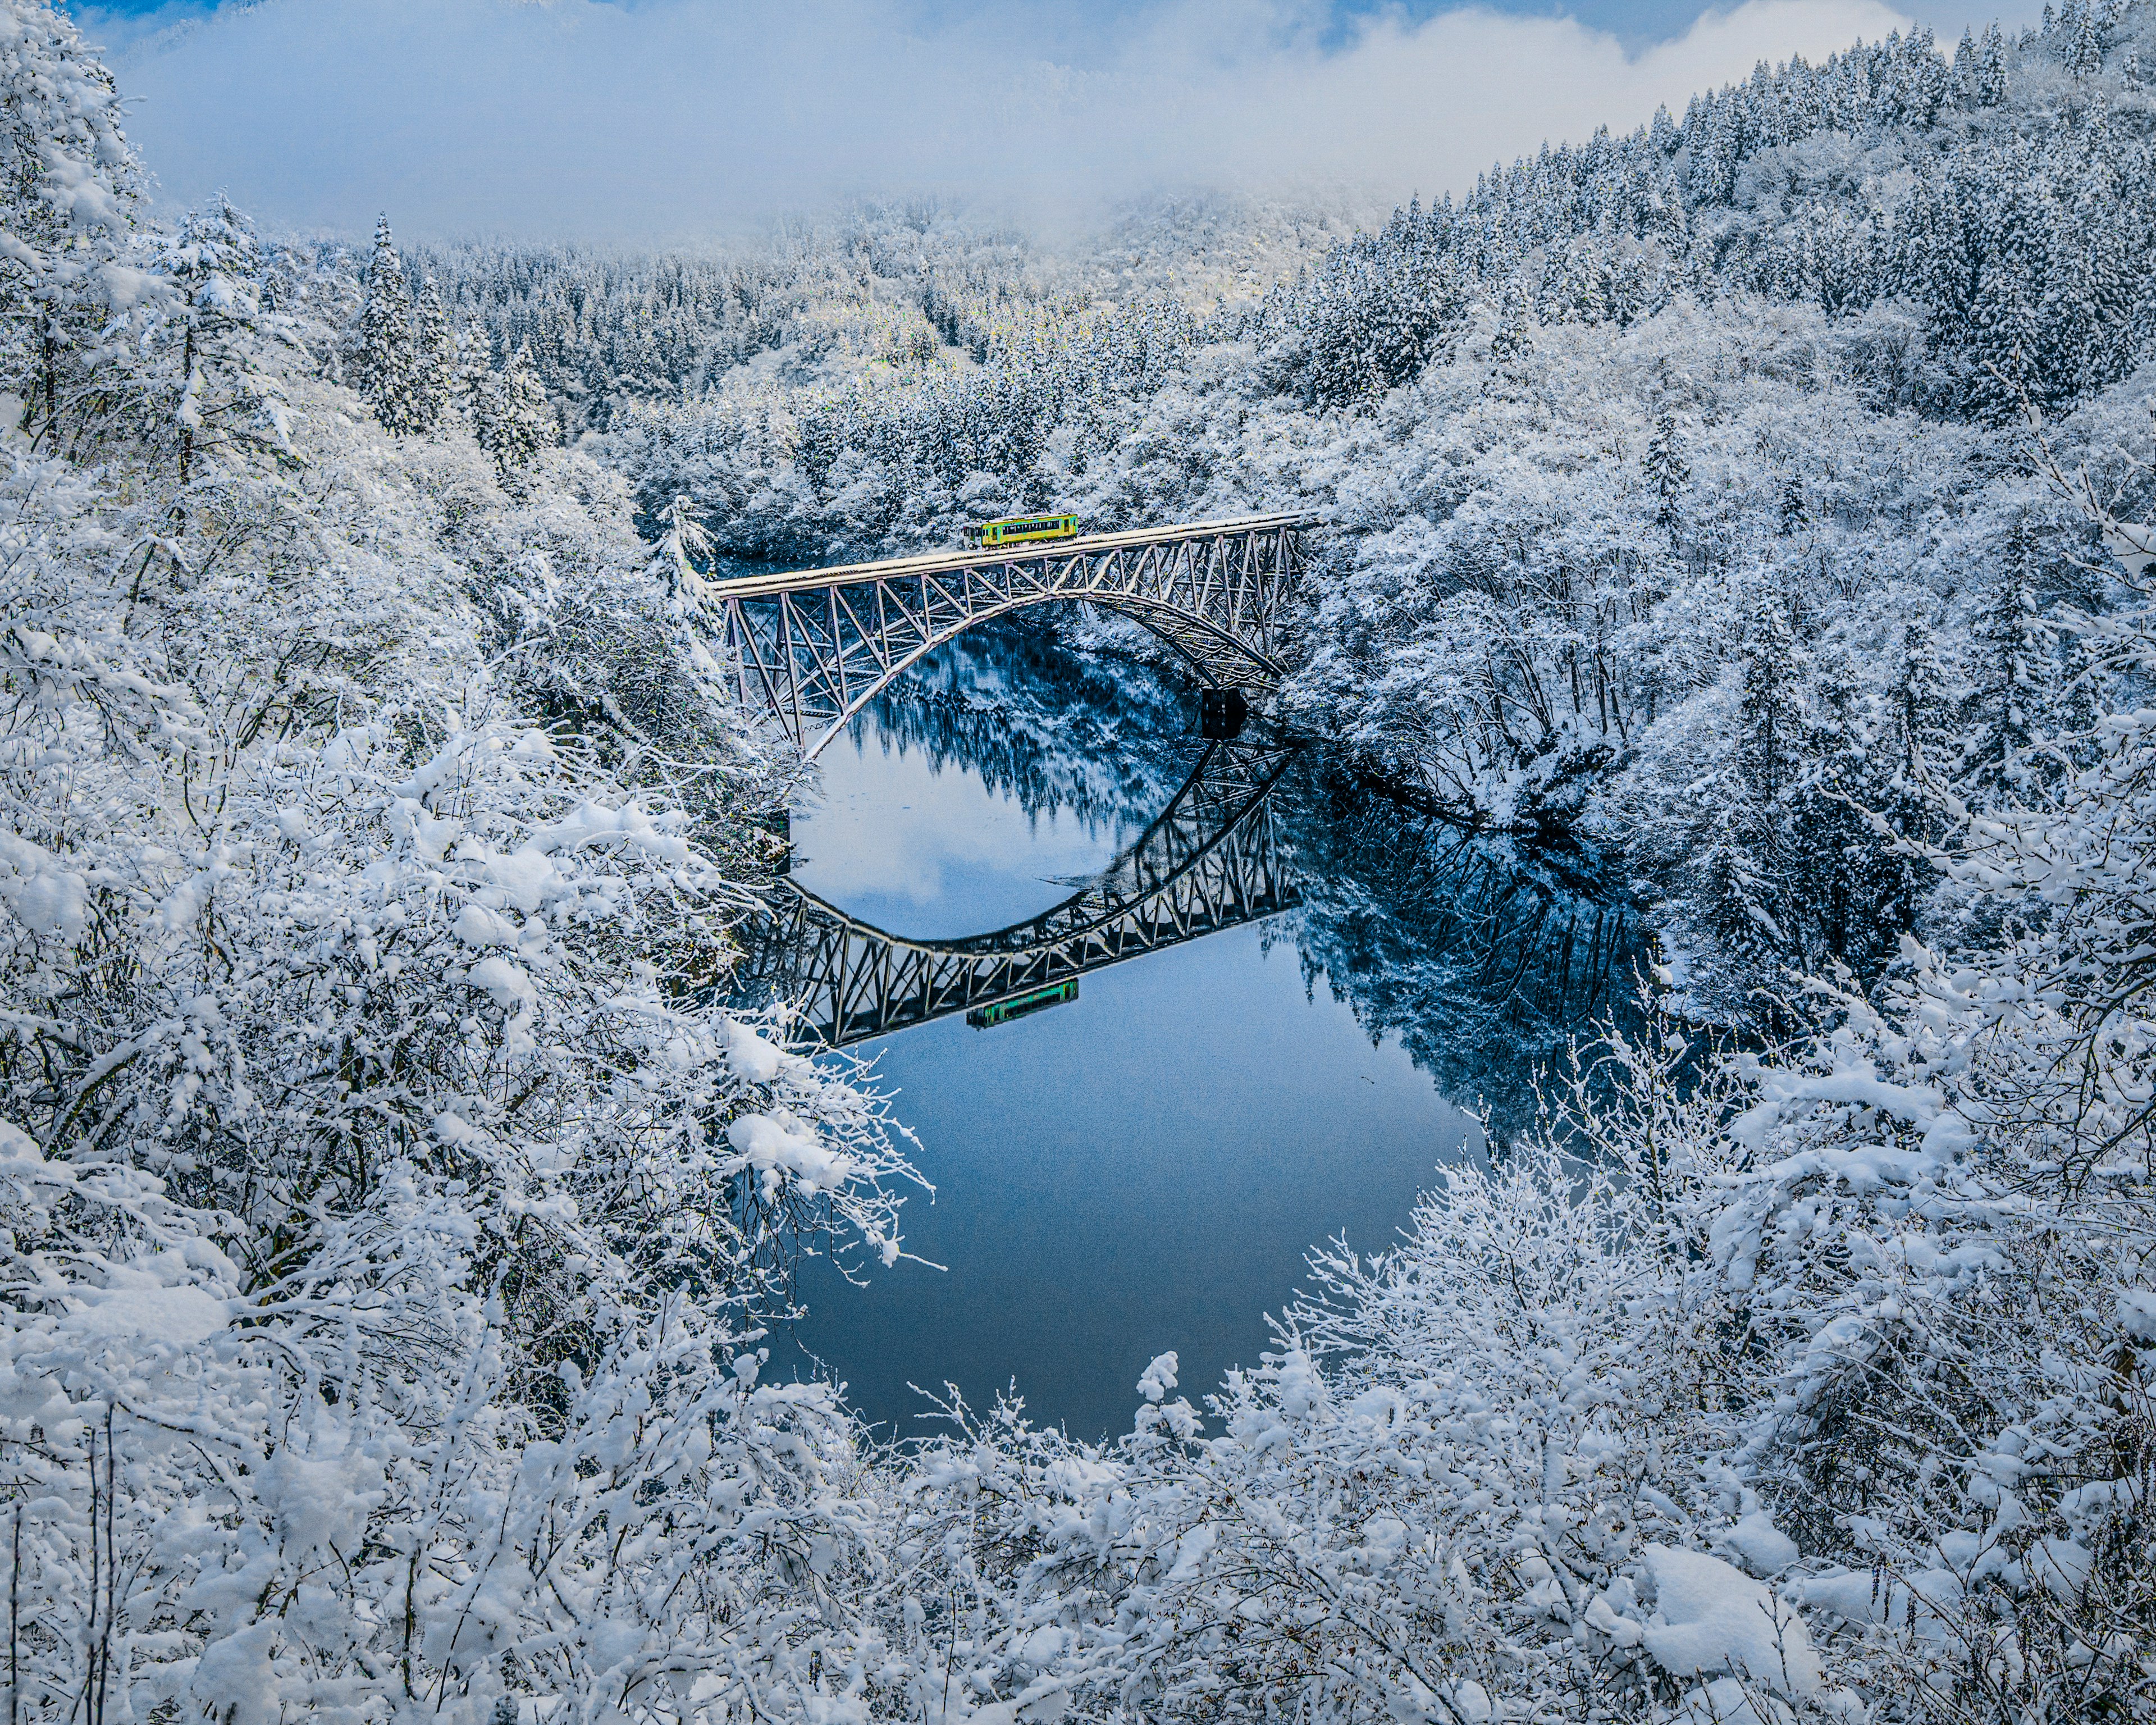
(1144,1168)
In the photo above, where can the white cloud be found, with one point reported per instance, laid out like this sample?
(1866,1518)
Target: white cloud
(890,833)
(670,117)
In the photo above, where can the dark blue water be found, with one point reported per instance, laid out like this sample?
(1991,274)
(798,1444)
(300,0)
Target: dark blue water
(1144,1168)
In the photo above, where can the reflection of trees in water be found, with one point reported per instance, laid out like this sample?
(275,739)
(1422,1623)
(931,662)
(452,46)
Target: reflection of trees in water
(1050,727)
(1480,963)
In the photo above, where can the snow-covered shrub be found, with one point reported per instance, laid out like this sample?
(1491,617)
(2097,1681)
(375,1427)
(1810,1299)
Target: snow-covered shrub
(391,1215)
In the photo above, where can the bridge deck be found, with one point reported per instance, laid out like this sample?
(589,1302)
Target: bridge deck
(751,587)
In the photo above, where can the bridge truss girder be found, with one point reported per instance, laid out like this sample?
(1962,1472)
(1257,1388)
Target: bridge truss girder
(814,648)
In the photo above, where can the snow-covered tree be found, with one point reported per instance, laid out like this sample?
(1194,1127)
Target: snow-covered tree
(1667,473)
(70,185)
(511,415)
(388,365)
(2014,690)
(436,367)
(215,334)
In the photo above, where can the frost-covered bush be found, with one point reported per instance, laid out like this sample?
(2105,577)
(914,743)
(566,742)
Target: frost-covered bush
(391,1216)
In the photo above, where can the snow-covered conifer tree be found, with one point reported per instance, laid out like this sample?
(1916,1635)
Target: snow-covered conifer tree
(2083,49)
(1991,68)
(510,414)
(1918,699)
(436,367)
(2015,671)
(387,367)
(1667,473)
(69,183)
(224,391)
(1770,708)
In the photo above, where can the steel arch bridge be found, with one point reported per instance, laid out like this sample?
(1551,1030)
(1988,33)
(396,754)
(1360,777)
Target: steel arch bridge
(1212,861)
(813,647)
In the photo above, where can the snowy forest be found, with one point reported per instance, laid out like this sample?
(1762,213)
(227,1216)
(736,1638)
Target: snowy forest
(393,1222)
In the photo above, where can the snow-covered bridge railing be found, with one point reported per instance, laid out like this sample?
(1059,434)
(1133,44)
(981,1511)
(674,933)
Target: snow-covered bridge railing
(815,646)
(1212,861)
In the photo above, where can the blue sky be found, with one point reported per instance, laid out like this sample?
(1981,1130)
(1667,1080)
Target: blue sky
(649,118)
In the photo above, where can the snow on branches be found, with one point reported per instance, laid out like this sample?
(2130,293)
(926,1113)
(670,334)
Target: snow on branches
(390,1219)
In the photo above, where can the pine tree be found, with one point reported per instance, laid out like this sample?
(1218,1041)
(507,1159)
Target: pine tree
(512,417)
(682,547)
(2014,687)
(2005,336)
(1965,73)
(1768,709)
(1737,893)
(1991,69)
(214,263)
(1854,896)
(1793,512)
(2084,43)
(386,365)
(1513,339)
(1918,699)
(1668,473)
(436,370)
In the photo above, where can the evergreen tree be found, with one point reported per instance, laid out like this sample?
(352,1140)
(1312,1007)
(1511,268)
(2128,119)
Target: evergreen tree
(1991,69)
(214,263)
(1770,709)
(387,366)
(1965,73)
(1854,896)
(1668,473)
(437,372)
(2005,336)
(682,547)
(2014,674)
(1736,892)
(511,415)
(1513,339)
(2084,40)
(1919,703)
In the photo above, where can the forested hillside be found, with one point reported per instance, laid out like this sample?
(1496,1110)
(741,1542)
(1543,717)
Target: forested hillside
(885,293)
(389,1221)
(1673,476)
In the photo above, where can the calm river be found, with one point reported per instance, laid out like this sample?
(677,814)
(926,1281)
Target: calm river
(1292,999)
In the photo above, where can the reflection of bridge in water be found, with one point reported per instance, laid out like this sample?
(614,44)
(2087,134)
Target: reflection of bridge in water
(1212,861)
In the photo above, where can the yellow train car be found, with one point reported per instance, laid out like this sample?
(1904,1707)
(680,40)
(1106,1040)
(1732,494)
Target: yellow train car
(1021,530)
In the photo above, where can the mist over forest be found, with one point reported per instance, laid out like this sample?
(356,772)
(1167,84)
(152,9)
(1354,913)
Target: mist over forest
(1735,525)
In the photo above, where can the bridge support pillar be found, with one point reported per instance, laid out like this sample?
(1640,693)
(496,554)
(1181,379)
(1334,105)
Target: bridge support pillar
(1222,713)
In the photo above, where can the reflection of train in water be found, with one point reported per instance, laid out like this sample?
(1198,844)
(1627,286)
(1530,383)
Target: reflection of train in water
(1021,529)
(1002,1012)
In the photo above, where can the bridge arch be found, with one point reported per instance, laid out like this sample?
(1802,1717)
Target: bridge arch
(1211,861)
(1219,659)
(813,647)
